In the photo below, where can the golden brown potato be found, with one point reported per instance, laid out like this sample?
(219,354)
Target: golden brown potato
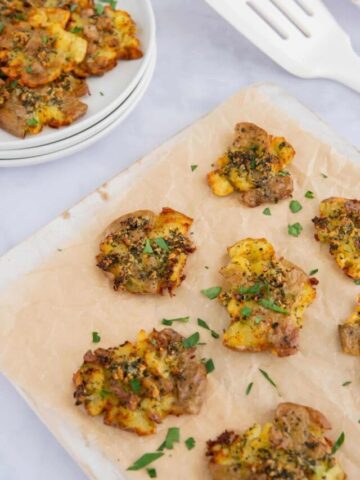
(265,299)
(137,385)
(253,166)
(350,332)
(339,226)
(293,447)
(27,110)
(111,36)
(147,253)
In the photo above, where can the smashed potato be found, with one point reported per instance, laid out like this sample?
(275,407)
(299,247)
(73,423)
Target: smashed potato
(253,166)
(293,447)
(137,385)
(265,299)
(350,332)
(339,226)
(111,36)
(147,253)
(27,110)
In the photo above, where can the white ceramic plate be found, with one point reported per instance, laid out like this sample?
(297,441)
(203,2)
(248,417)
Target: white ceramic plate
(115,85)
(134,97)
(91,135)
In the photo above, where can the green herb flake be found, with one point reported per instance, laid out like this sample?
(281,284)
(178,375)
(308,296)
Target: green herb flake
(99,9)
(169,321)
(295,206)
(357,282)
(190,443)
(209,365)
(76,29)
(267,211)
(101,93)
(203,324)
(257,320)
(193,167)
(313,272)
(283,173)
(211,292)
(45,39)
(254,289)
(295,229)
(104,393)
(151,472)
(207,268)
(309,194)
(323,175)
(270,305)
(246,311)
(112,3)
(145,460)
(13,84)
(148,248)
(348,382)
(172,436)
(249,388)
(214,334)
(135,385)
(2,26)
(267,377)
(96,337)
(32,122)
(161,242)
(340,440)
(191,341)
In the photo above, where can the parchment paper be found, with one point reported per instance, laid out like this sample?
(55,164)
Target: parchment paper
(53,297)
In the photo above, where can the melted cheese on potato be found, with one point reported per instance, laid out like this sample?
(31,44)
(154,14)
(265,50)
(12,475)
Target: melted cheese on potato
(147,253)
(292,447)
(339,226)
(136,385)
(253,166)
(349,332)
(265,299)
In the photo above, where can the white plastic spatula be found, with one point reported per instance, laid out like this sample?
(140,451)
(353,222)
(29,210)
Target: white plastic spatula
(300,35)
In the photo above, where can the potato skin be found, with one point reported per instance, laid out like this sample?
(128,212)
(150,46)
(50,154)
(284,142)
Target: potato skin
(293,446)
(349,332)
(339,226)
(146,253)
(136,385)
(253,166)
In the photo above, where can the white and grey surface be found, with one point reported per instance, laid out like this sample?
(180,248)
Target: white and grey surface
(201,61)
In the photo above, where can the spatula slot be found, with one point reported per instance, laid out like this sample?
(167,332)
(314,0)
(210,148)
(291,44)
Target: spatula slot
(291,17)
(305,7)
(268,20)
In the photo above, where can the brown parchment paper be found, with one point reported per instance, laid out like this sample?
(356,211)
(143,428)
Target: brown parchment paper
(52,296)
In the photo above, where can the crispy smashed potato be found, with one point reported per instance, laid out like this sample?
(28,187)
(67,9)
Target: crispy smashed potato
(27,110)
(137,385)
(350,332)
(339,226)
(265,299)
(43,40)
(293,447)
(147,253)
(111,36)
(253,166)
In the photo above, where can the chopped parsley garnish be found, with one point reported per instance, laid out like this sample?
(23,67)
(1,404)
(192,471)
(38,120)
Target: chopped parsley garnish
(267,377)
(267,211)
(295,206)
(209,365)
(45,39)
(78,29)
(270,305)
(99,9)
(169,321)
(207,268)
(190,443)
(112,3)
(283,173)
(338,443)
(135,385)
(211,292)
(249,388)
(160,242)
(258,320)
(348,382)
(145,460)
(96,337)
(101,93)
(193,167)
(357,282)
(148,247)
(172,436)
(104,393)
(323,175)
(254,289)
(151,472)
(191,341)
(203,324)
(2,26)
(13,84)
(246,311)
(313,272)
(295,229)
(32,122)
(309,194)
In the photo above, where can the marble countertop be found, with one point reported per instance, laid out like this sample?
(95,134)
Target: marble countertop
(201,61)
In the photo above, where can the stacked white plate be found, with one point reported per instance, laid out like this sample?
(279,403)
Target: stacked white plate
(112,97)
